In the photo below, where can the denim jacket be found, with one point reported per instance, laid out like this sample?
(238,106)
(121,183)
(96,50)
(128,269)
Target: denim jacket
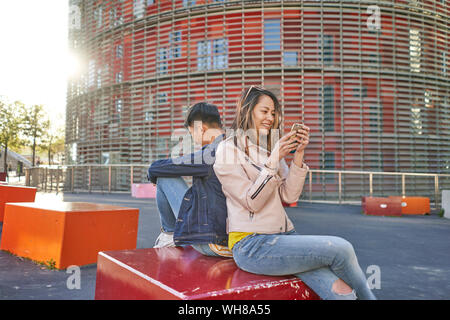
(203,212)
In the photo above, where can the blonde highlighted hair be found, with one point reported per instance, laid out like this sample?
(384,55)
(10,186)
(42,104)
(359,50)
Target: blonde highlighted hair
(243,122)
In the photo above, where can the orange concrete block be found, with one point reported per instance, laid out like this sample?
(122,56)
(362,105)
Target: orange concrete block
(414,205)
(14,194)
(68,233)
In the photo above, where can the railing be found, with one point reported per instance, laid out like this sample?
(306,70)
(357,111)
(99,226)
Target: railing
(402,175)
(335,186)
(88,178)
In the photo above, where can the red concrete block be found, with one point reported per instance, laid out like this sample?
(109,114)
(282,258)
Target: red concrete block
(10,193)
(67,233)
(184,274)
(381,206)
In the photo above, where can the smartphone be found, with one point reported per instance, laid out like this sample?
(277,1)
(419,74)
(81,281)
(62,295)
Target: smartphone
(296,127)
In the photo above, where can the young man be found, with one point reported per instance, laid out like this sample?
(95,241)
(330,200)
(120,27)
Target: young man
(193,216)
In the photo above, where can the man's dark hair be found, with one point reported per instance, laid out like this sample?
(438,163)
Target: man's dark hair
(206,112)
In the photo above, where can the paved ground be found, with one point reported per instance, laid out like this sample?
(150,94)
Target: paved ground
(412,252)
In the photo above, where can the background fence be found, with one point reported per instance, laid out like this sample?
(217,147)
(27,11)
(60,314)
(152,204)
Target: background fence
(334,186)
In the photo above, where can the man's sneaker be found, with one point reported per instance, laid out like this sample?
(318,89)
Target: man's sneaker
(164,240)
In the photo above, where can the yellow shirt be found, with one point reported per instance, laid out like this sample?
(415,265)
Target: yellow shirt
(235,237)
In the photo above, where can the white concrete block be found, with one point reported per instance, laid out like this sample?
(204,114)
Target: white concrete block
(446,203)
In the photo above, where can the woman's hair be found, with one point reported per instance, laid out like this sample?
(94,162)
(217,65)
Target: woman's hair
(244,111)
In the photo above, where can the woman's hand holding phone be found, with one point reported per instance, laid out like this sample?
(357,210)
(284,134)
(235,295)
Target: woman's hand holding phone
(301,138)
(293,142)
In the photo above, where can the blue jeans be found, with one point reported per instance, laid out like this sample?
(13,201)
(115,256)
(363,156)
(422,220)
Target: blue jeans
(169,195)
(317,260)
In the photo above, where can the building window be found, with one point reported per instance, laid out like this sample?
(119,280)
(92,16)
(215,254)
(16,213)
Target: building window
(328,107)
(360,92)
(220,58)
(188,3)
(204,55)
(175,40)
(415,50)
(444,62)
(416,120)
(374,58)
(326,49)
(110,157)
(162,61)
(149,116)
(220,61)
(73,153)
(98,16)
(329,162)
(428,99)
(119,105)
(272,34)
(161,98)
(99,78)
(115,18)
(290,58)
(375,119)
(212,54)
(91,73)
(119,51)
(138,8)
(119,77)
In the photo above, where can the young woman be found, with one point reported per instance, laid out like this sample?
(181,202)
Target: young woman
(256,181)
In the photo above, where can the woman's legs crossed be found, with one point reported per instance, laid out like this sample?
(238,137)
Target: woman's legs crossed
(324,282)
(283,254)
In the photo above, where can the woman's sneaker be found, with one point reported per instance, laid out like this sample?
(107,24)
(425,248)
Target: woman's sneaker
(165,239)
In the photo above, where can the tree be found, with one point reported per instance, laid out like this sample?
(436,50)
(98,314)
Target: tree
(34,126)
(52,141)
(9,127)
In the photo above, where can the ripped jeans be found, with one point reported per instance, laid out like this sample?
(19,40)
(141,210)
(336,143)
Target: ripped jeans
(317,260)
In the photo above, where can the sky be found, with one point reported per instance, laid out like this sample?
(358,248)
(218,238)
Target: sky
(34,58)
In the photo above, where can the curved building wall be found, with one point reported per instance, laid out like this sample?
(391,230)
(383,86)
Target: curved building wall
(375,92)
